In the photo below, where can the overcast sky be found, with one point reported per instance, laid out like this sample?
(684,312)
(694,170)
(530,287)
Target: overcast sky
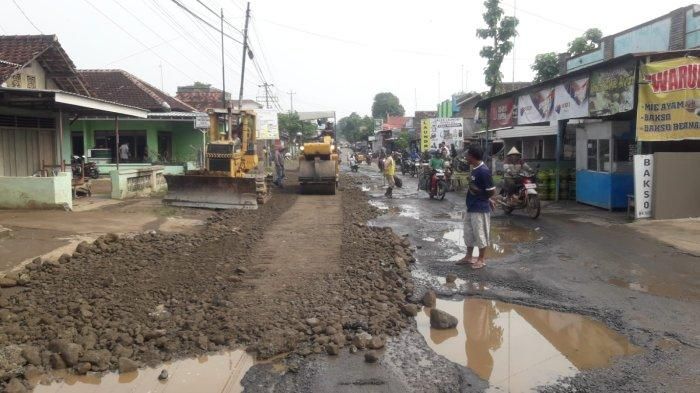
(334,54)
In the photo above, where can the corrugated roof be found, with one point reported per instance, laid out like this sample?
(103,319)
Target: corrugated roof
(123,87)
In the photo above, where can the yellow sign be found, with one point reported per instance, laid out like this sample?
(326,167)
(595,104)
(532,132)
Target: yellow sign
(669,100)
(425,134)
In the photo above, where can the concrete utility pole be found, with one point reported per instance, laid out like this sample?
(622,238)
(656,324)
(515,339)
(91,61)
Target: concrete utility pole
(245,53)
(291,100)
(223,70)
(268,94)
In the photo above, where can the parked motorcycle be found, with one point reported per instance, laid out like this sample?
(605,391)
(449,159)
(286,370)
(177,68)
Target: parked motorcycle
(525,196)
(80,167)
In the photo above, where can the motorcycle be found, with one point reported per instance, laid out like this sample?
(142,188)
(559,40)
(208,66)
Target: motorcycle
(525,196)
(408,166)
(80,167)
(354,167)
(368,159)
(433,182)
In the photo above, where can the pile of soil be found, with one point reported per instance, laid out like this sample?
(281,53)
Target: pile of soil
(122,303)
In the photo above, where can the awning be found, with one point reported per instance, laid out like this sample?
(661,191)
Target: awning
(70,103)
(524,131)
(315,115)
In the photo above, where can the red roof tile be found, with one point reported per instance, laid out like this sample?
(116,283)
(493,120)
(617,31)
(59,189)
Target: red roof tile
(124,88)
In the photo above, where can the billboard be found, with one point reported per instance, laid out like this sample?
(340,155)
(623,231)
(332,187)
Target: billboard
(669,100)
(446,129)
(571,99)
(266,124)
(501,113)
(611,91)
(536,107)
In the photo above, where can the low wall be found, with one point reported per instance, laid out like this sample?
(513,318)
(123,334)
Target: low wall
(36,192)
(137,182)
(168,169)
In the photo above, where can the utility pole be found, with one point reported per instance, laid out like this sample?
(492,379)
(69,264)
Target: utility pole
(223,70)
(245,53)
(267,86)
(291,100)
(515,6)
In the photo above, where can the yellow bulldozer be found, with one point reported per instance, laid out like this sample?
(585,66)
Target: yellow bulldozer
(232,178)
(319,165)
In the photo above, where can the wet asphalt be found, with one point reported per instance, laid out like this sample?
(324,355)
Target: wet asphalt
(573,260)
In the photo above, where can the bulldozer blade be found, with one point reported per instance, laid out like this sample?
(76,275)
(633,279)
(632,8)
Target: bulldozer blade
(212,192)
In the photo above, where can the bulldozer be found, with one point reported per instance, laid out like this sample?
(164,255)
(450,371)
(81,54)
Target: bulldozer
(319,165)
(231,178)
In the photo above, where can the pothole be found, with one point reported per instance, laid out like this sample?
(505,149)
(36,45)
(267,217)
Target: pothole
(214,373)
(504,239)
(517,348)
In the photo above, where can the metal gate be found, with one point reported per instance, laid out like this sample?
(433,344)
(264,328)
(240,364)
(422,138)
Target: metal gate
(23,149)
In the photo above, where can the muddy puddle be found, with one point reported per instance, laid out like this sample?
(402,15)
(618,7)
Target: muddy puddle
(504,239)
(396,211)
(214,373)
(517,348)
(657,286)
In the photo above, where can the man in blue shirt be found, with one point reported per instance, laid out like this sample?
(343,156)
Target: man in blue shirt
(477,221)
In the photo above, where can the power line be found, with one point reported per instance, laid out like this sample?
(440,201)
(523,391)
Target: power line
(140,52)
(204,21)
(217,15)
(136,39)
(544,18)
(27,17)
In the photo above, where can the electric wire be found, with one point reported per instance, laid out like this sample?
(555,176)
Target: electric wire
(27,17)
(205,21)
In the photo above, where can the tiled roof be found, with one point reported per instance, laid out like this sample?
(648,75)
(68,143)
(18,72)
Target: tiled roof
(17,51)
(123,87)
(203,100)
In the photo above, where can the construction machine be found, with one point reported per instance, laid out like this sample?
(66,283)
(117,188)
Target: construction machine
(319,164)
(232,178)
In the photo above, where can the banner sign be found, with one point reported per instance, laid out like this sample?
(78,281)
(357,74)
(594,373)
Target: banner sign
(446,129)
(611,91)
(669,100)
(201,121)
(571,99)
(266,124)
(501,113)
(425,135)
(643,177)
(378,123)
(536,107)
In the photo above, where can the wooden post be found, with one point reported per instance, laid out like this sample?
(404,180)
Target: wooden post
(60,140)
(116,132)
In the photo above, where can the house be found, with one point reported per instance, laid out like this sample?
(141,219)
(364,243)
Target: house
(40,93)
(202,96)
(167,136)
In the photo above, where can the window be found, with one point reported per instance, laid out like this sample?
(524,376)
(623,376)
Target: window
(598,155)
(165,147)
(592,155)
(16,80)
(31,82)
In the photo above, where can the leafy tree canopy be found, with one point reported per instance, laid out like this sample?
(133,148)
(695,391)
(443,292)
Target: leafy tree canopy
(356,128)
(546,66)
(500,30)
(386,104)
(588,41)
(291,123)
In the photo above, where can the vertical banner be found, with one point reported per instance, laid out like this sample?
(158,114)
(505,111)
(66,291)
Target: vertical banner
(501,113)
(643,181)
(536,107)
(669,100)
(571,99)
(266,124)
(425,135)
(612,91)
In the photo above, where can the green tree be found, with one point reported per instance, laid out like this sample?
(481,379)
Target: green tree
(546,66)
(402,141)
(588,41)
(500,29)
(291,123)
(386,104)
(356,128)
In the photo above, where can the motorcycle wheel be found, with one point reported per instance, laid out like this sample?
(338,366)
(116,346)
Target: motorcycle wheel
(507,210)
(533,206)
(95,175)
(441,189)
(403,170)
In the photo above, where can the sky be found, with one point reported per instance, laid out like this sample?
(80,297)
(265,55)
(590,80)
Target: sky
(334,55)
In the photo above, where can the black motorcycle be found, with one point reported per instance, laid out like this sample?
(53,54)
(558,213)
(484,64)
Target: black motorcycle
(408,166)
(80,167)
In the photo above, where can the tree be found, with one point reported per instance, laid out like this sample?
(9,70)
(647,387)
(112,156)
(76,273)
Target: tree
(356,128)
(386,104)
(402,141)
(501,29)
(546,66)
(588,41)
(291,123)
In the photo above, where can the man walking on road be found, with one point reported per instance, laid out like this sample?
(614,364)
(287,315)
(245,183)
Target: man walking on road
(389,170)
(477,221)
(279,167)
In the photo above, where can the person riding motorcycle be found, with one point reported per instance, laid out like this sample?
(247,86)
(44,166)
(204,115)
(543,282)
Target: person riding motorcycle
(513,166)
(436,163)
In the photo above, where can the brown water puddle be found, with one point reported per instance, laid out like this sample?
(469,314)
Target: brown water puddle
(657,286)
(517,348)
(215,373)
(504,238)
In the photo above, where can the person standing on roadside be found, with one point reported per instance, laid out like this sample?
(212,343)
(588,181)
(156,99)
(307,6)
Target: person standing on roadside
(279,167)
(477,221)
(389,171)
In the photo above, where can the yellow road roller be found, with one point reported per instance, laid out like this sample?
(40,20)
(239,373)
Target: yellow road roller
(319,166)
